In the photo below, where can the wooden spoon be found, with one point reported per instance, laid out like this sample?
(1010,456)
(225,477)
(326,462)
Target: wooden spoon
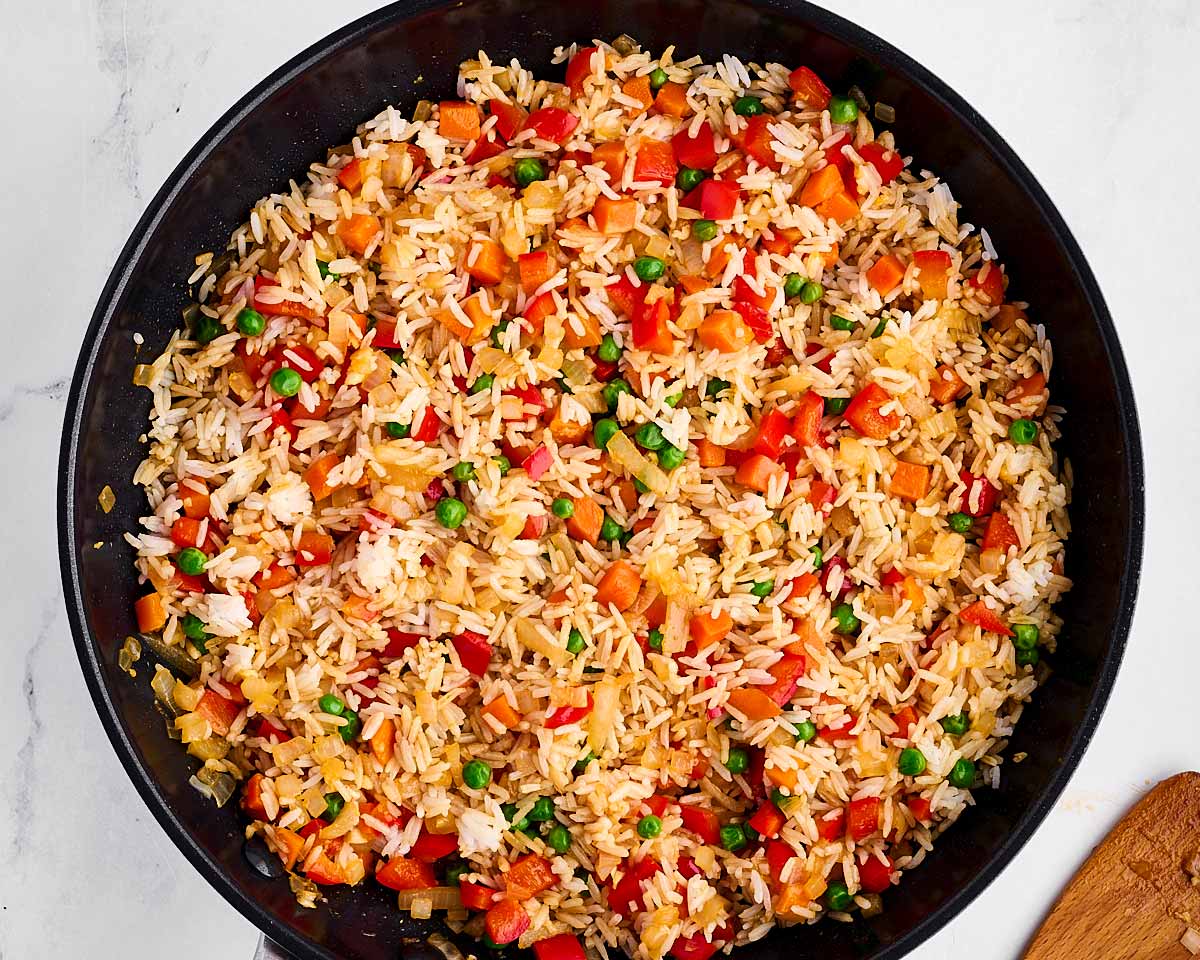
(1139,892)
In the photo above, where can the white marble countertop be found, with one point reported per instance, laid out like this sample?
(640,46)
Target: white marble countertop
(102,98)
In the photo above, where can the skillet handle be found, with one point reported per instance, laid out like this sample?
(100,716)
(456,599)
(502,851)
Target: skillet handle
(269,950)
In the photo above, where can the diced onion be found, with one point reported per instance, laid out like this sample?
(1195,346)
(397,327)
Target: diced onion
(290,750)
(491,360)
(606,698)
(885,113)
(209,748)
(346,821)
(624,453)
(107,499)
(438,898)
(145,375)
(163,685)
(131,651)
(220,784)
(991,561)
(533,639)
(1190,941)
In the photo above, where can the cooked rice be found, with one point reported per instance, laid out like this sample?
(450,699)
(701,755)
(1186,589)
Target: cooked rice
(702,543)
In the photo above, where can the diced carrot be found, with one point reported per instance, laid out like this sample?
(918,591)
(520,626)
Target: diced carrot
(782,241)
(580,331)
(486,261)
(719,259)
(755,704)
(756,472)
(672,99)
(1033,386)
(537,310)
(566,431)
(911,591)
(692,283)
(710,454)
(351,175)
(781,778)
(274,577)
(1006,317)
(314,549)
(709,628)
(501,711)
(614,216)
(194,496)
(506,921)
(535,269)
(478,308)
(946,384)
(933,267)
(219,711)
(864,413)
(150,613)
(317,476)
(910,481)
(611,156)
(458,120)
(822,185)
(359,231)
(724,330)
(830,256)
(619,586)
(185,532)
(529,875)
(839,208)
(981,615)
(796,896)
(406,873)
(359,608)
(626,494)
(885,274)
(288,845)
(586,521)
(638,88)
(383,740)
(803,585)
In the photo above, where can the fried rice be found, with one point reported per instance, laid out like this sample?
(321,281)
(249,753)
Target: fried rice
(621,514)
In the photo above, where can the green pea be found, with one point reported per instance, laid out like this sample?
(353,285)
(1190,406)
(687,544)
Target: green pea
(543,810)
(811,292)
(957,724)
(476,774)
(609,351)
(655,639)
(1022,431)
(396,356)
(818,556)
(497,336)
(349,730)
(463,471)
(649,436)
(603,431)
(805,731)
(841,323)
(333,806)
(649,827)
(962,774)
(582,763)
(563,508)
(451,512)
(484,382)
(847,622)
(503,463)
(738,762)
(837,896)
(911,762)
(509,810)
(733,836)
(688,179)
(612,392)
(793,283)
(398,430)
(527,170)
(763,588)
(778,797)
(672,400)
(960,522)
(333,705)
(610,529)
(286,382)
(575,643)
(658,76)
(670,457)
(250,322)
(714,387)
(194,628)
(1026,637)
(842,109)
(207,329)
(455,872)
(704,230)
(191,561)
(648,269)
(1027,658)
(836,406)
(879,328)
(559,838)
(747,106)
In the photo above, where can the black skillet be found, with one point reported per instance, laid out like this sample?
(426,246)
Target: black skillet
(411,50)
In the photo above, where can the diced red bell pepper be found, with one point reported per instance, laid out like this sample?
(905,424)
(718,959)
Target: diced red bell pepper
(385,336)
(875,876)
(626,898)
(506,921)
(649,328)
(431,847)
(605,370)
(655,162)
(716,199)
(535,527)
(988,284)
(429,428)
(552,123)
(919,806)
(253,362)
(1000,534)
(862,818)
(777,353)
(767,820)
(787,671)
(778,855)
(271,730)
(887,162)
(185,532)
(755,317)
(284,308)
(625,296)
(697,947)
(435,491)
(743,293)
(403,873)
(687,868)
(697,152)
(756,140)
(561,716)
(398,642)
(299,358)
(806,423)
(657,804)
(830,566)
(772,430)
(325,872)
(538,462)
(821,494)
(933,267)
(981,615)
(906,719)
(281,419)
(510,119)
(831,828)
(837,731)
(702,822)
(475,896)
(219,711)
(529,875)
(579,69)
(979,499)
(474,651)
(864,415)
(809,88)
(489,145)
(560,947)
(252,801)
(834,157)
(530,396)
(314,549)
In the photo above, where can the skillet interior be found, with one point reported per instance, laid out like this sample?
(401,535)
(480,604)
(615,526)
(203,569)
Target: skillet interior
(411,50)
